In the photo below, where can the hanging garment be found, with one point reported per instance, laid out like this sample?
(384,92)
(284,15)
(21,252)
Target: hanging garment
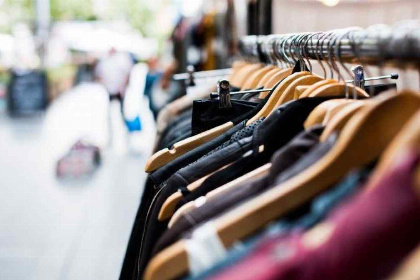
(241,194)
(318,209)
(207,114)
(363,239)
(273,133)
(283,158)
(285,122)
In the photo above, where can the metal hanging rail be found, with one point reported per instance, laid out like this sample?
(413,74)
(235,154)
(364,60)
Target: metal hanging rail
(376,44)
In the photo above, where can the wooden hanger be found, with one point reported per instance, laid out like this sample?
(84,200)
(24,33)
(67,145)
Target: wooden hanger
(274,80)
(341,119)
(358,144)
(255,77)
(244,73)
(168,207)
(267,77)
(313,87)
(318,114)
(236,76)
(289,92)
(272,101)
(337,88)
(254,174)
(237,67)
(164,156)
(335,108)
(408,138)
(299,90)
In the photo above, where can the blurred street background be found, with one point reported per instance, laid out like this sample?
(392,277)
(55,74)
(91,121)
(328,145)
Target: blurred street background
(57,222)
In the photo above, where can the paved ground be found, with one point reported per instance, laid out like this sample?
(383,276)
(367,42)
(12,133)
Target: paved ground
(65,230)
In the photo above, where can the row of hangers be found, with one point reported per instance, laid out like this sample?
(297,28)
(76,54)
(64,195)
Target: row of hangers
(359,119)
(280,52)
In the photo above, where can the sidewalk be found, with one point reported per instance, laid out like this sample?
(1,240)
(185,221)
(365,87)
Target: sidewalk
(56,230)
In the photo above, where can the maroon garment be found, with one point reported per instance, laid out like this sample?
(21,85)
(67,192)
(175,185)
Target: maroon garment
(368,237)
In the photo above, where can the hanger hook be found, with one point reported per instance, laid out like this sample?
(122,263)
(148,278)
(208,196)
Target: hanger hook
(265,46)
(287,58)
(301,45)
(277,51)
(305,49)
(320,35)
(296,50)
(330,50)
(338,55)
(324,37)
(291,48)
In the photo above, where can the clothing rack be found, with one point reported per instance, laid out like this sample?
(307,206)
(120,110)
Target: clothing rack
(377,44)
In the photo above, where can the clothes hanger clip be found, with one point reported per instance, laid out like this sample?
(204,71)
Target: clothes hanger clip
(223,89)
(359,76)
(190,81)
(392,76)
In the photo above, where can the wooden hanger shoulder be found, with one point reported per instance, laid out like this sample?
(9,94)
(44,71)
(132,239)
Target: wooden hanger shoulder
(236,76)
(408,138)
(341,119)
(289,92)
(311,88)
(170,265)
(336,107)
(299,90)
(357,144)
(253,80)
(318,114)
(165,156)
(337,88)
(236,66)
(244,74)
(267,77)
(272,101)
(275,79)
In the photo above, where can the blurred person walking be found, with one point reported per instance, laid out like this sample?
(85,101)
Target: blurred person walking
(113,72)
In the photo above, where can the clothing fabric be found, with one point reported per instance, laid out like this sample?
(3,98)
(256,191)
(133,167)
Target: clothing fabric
(365,238)
(163,173)
(274,132)
(154,228)
(207,114)
(228,199)
(154,180)
(132,257)
(178,127)
(204,248)
(281,126)
(318,209)
(289,117)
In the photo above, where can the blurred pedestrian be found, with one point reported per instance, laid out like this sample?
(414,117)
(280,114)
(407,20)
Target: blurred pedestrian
(113,73)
